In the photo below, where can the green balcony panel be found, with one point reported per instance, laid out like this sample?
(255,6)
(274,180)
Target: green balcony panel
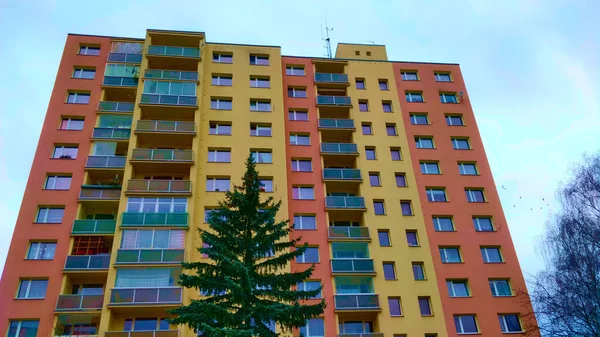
(352,266)
(349,232)
(131,219)
(114,81)
(162,155)
(331,78)
(106,162)
(172,75)
(116,106)
(339,148)
(87,262)
(111,133)
(169,100)
(345,202)
(166,126)
(336,123)
(126,58)
(357,302)
(341,174)
(79,302)
(141,296)
(150,256)
(94,227)
(334,100)
(174,51)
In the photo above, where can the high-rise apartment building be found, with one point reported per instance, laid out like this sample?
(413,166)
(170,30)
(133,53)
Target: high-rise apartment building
(379,163)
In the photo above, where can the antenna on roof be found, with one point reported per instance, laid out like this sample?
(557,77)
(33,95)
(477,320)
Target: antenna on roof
(372,42)
(327,40)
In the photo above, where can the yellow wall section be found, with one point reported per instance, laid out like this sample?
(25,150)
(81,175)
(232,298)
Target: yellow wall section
(348,51)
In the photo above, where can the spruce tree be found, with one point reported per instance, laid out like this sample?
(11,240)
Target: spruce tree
(246,283)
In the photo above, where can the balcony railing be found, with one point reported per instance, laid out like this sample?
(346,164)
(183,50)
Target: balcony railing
(357,302)
(334,100)
(144,333)
(331,78)
(362,334)
(79,302)
(116,106)
(114,81)
(162,155)
(94,227)
(111,133)
(172,75)
(344,202)
(131,219)
(159,186)
(341,174)
(169,100)
(122,57)
(349,232)
(336,123)
(166,295)
(87,262)
(339,148)
(99,192)
(149,255)
(174,51)
(165,126)
(352,266)
(106,162)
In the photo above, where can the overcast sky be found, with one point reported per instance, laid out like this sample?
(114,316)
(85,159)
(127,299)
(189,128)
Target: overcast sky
(531,69)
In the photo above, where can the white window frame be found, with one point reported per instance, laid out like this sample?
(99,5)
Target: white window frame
(299,225)
(263,185)
(220,55)
(418,141)
(45,219)
(218,106)
(28,290)
(460,323)
(255,58)
(293,69)
(69,120)
(296,165)
(217,127)
(449,120)
(307,188)
(77,94)
(255,82)
(437,226)
(504,325)
(409,97)
(211,184)
(302,259)
(495,292)
(432,192)
(55,178)
(445,98)
(462,171)
(300,91)
(452,291)
(260,127)
(445,259)
(294,139)
(425,169)
(216,155)
(87,49)
(439,76)
(38,250)
(156,203)
(455,142)
(81,71)
(220,78)
(486,258)
(404,75)
(471,197)
(255,104)
(413,119)
(62,150)
(19,325)
(477,223)
(137,235)
(302,287)
(296,112)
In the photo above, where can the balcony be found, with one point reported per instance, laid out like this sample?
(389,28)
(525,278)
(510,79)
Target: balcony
(79,302)
(166,126)
(155,99)
(352,266)
(111,133)
(170,51)
(334,202)
(171,75)
(334,101)
(141,296)
(144,333)
(100,192)
(159,186)
(106,162)
(149,256)
(160,155)
(361,302)
(336,124)
(126,58)
(339,148)
(90,227)
(348,233)
(113,81)
(116,106)
(87,262)
(330,78)
(342,174)
(131,219)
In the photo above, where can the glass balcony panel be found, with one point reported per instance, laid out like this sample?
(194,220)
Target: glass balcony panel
(116,106)
(93,227)
(334,100)
(350,232)
(154,219)
(105,162)
(331,78)
(344,202)
(357,302)
(339,148)
(335,123)
(342,174)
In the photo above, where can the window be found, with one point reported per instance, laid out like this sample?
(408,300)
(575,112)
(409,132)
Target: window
(301,165)
(409,76)
(367,129)
(222,80)
(305,222)
(390,128)
(425,142)
(262,156)
(383,85)
(41,251)
(460,143)
(310,286)
(297,92)
(419,119)
(436,194)
(219,156)
(491,255)
(219,128)
(50,215)
(357,52)
(71,123)
(78,98)
(294,115)
(467,169)
(389,271)
(425,306)
(217,184)
(222,58)
(25,328)
(123,70)
(370,153)
(315,327)
(406,208)
(266,185)
(148,238)
(386,106)
(429,168)
(395,153)
(500,288)
(374,179)
(412,239)
(294,70)
(260,130)
(30,289)
(465,324)
(84,73)
(418,271)
(156,205)
(360,83)
(379,207)
(259,82)
(57,183)
(259,105)
(483,224)
(510,323)
(363,105)
(443,224)
(474,195)
(384,238)
(310,255)
(454,120)
(414,97)
(450,255)
(395,307)
(448,98)
(400,179)
(442,77)
(259,60)
(221,103)
(142,278)
(299,139)
(89,50)
(458,288)
(303,193)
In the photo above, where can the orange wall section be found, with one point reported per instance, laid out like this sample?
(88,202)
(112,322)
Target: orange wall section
(26,230)
(481,303)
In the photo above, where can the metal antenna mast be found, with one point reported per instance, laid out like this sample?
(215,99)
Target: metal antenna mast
(327,40)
